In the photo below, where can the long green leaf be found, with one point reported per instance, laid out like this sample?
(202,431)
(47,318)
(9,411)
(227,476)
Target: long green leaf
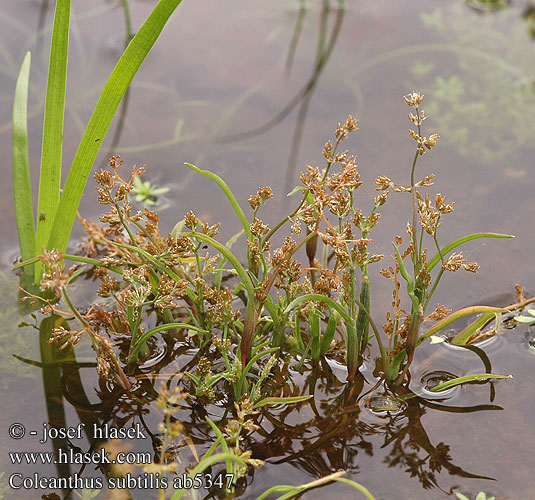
(454,244)
(461,313)
(228,193)
(357,486)
(223,250)
(467,378)
(22,186)
(315,334)
(160,328)
(462,337)
(224,445)
(322,298)
(281,401)
(294,491)
(156,262)
(51,152)
(101,118)
(328,336)
(363,325)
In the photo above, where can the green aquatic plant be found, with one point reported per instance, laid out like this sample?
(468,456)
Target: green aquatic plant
(480,496)
(403,329)
(178,283)
(56,206)
(530,320)
(147,193)
(492,76)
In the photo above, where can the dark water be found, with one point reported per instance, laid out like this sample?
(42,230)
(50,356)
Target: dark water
(244,91)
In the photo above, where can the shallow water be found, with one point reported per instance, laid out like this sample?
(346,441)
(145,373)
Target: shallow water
(206,81)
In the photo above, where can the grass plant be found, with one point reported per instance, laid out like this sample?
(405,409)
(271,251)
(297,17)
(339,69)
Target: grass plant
(56,207)
(196,289)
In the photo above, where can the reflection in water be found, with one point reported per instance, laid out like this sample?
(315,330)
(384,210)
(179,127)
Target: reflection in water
(529,16)
(335,430)
(323,52)
(412,449)
(43,9)
(324,49)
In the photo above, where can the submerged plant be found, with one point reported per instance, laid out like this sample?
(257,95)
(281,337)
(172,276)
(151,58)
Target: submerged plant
(147,193)
(480,496)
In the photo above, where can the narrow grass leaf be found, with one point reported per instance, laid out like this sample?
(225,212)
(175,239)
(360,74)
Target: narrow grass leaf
(461,313)
(357,486)
(100,120)
(395,365)
(281,401)
(157,263)
(224,445)
(467,378)
(363,325)
(246,280)
(328,336)
(160,328)
(219,269)
(294,491)
(454,244)
(22,186)
(462,337)
(315,334)
(322,298)
(51,152)
(228,193)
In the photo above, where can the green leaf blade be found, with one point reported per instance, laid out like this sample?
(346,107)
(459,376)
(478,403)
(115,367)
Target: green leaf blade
(52,147)
(281,401)
(461,241)
(229,194)
(449,384)
(101,119)
(22,187)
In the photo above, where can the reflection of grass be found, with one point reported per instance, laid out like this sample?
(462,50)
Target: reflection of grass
(12,341)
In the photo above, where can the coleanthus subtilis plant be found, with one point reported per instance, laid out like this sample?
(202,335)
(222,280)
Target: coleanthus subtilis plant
(174,283)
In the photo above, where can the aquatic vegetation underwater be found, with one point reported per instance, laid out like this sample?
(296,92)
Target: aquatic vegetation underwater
(252,323)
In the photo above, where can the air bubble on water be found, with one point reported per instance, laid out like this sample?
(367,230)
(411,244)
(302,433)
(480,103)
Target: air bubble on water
(382,404)
(530,340)
(430,380)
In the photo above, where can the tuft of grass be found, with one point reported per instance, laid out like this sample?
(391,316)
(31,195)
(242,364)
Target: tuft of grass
(56,213)
(198,288)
